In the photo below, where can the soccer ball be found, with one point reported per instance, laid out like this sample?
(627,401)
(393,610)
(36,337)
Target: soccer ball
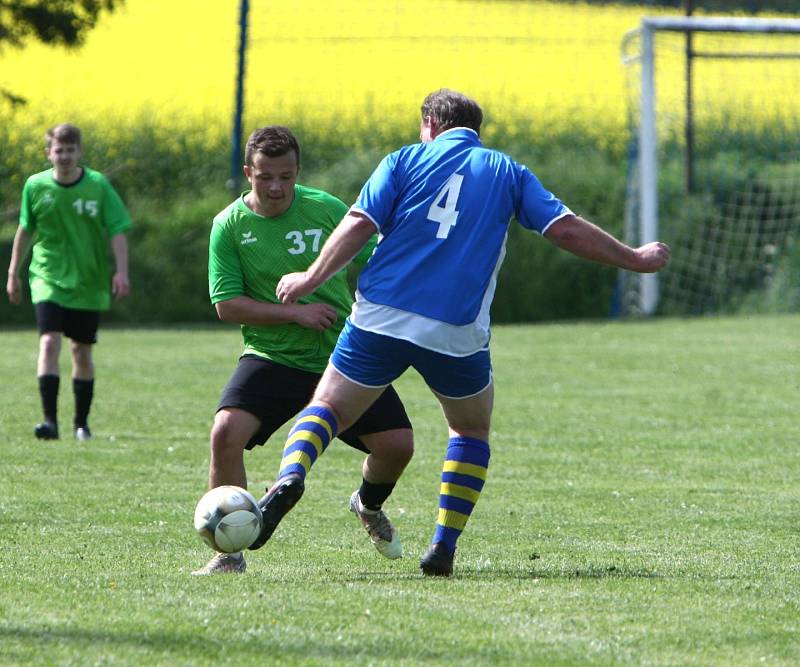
(227,519)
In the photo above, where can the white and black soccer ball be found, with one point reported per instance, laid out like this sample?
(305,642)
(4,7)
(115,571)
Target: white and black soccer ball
(228,519)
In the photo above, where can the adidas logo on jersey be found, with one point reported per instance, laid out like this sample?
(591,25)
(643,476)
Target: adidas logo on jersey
(247,237)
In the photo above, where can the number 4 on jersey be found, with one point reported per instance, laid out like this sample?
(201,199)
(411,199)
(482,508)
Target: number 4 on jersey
(443,209)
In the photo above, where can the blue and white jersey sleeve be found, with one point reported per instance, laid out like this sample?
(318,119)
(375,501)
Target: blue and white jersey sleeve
(378,196)
(536,208)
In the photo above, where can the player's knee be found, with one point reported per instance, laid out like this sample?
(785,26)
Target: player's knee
(82,356)
(405,445)
(477,432)
(50,344)
(81,350)
(476,425)
(396,446)
(226,437)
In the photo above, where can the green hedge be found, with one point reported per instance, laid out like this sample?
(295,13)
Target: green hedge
(169,246)
(169,242)
(734,238)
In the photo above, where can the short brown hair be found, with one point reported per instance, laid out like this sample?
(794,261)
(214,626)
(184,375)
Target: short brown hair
(450,108)
(273,141)
(65,133)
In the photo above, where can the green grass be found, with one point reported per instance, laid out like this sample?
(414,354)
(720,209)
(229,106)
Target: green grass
(641,509)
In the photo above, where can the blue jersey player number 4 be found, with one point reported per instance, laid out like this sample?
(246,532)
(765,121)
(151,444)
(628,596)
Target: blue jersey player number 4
(443,208)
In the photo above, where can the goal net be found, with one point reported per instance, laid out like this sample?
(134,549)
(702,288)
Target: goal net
(714,170)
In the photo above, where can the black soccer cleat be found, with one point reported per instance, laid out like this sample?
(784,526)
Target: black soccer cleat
(437,561)
(47,430)
(279,499)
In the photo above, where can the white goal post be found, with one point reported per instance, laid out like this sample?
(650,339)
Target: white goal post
(646,218)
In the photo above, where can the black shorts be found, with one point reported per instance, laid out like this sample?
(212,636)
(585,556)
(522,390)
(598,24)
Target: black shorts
(276,393)
(79,325)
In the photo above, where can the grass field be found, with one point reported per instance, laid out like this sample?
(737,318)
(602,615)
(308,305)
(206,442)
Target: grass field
(641,509)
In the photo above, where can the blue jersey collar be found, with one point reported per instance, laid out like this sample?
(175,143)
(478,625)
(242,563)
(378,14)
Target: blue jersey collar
(459,133)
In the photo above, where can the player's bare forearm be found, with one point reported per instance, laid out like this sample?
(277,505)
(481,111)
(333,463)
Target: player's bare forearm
(120,283)
(245,310)
(14,289)
(19,251)
(350,236)
(584,239)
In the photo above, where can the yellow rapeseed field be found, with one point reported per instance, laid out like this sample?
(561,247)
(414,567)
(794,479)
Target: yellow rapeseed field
(344,62)
(343,66)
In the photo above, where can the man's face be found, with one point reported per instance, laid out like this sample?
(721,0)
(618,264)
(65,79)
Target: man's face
(273,180)
(63,156)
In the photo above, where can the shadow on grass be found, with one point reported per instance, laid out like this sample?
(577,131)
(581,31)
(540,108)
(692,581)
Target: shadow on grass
(488,574)
(156,647)
(596,572)
(88,636)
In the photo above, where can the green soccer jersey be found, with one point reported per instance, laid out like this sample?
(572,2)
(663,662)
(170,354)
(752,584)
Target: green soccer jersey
(71,225)
(248,254)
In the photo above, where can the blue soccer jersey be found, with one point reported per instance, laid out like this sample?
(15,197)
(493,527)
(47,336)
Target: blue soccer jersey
(443,209)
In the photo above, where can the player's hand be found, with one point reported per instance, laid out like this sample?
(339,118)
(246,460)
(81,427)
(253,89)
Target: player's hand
(652,257)
(292,286)
(120,287)
(14,290)
(317,316)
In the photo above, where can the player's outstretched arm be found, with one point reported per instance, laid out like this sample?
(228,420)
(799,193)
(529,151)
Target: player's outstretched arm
(19,251)
(350,235)
(245,310)
(584,239)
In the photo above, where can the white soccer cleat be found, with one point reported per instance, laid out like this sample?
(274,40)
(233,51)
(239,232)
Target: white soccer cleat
(83,433)
(223,564)
(381,531)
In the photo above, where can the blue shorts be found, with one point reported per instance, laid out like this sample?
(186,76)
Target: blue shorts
(375,360)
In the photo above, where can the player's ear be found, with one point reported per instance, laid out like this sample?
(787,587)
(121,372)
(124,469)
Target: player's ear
(428,129)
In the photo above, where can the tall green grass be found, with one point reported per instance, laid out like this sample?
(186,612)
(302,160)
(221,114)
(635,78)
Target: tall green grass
(641,508)
(169,246)
(172,209)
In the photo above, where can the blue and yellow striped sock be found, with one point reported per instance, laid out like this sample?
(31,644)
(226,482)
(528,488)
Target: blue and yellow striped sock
(463,475)
(313,430)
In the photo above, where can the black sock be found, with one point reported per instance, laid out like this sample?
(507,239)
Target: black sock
(373,495)
(84,391)
(48,390)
